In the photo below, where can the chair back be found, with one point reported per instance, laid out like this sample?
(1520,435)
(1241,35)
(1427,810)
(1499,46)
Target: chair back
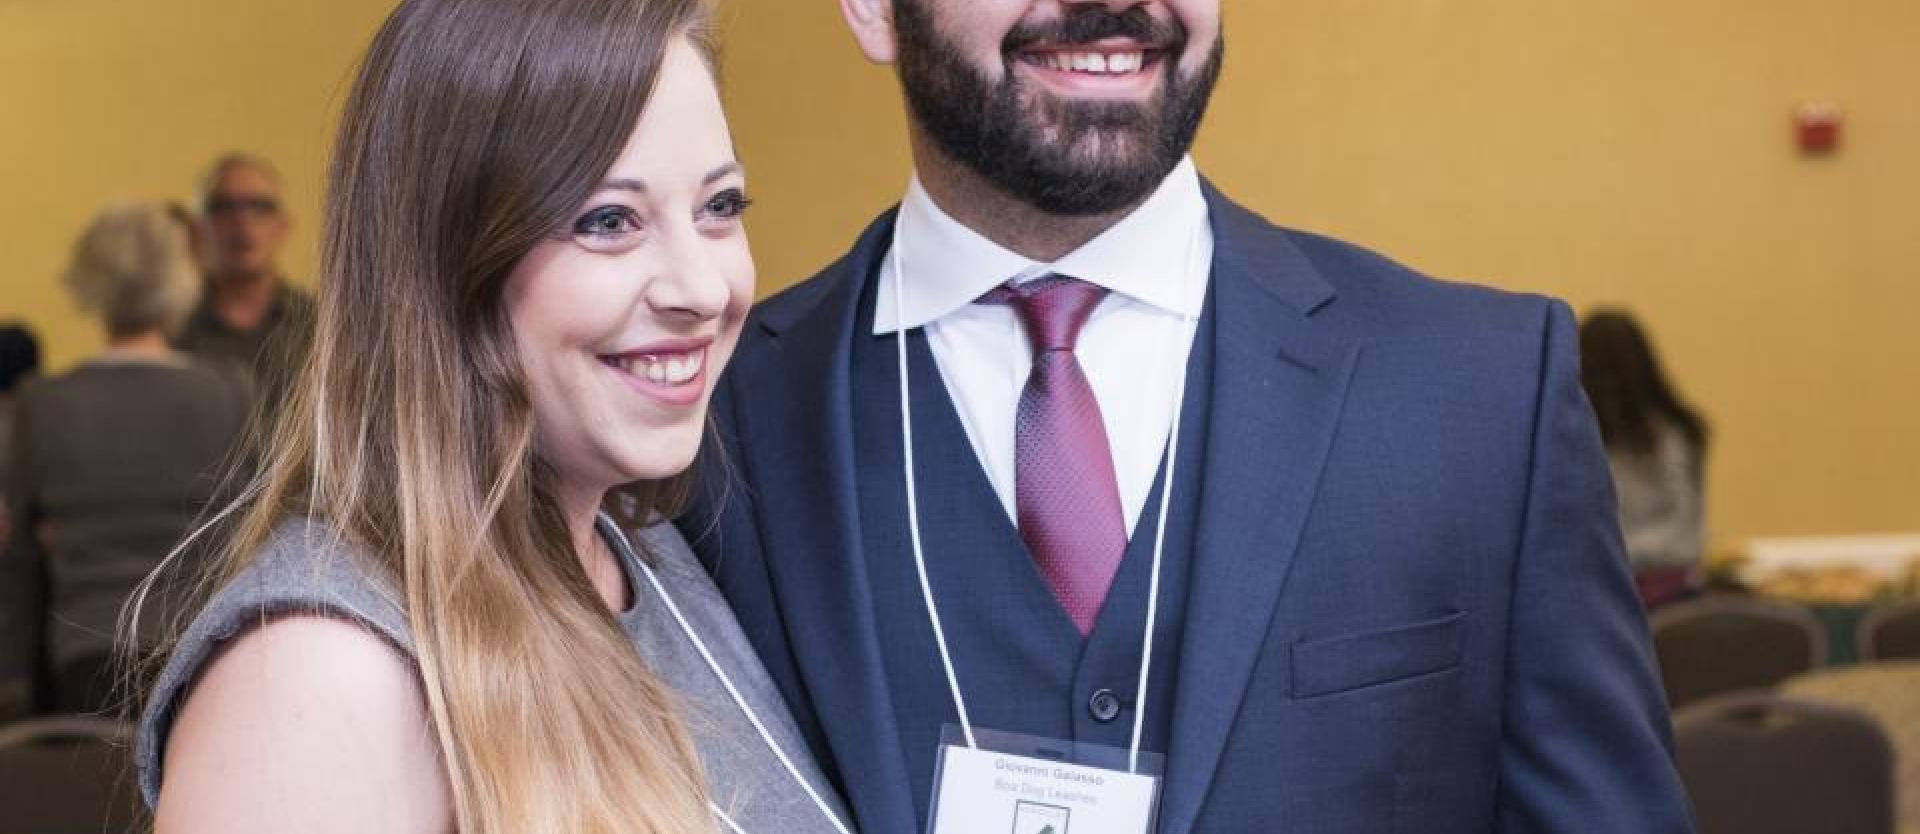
(67,775)
(1756,763)
(1891,632)
(1718,644)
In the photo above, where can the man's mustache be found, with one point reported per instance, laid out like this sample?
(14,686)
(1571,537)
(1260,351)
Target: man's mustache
(1091,24)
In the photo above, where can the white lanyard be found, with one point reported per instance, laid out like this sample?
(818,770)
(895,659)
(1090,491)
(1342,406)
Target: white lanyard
(738,700)
(913,510)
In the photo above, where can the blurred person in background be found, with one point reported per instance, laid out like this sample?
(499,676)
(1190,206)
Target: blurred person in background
(249,316)
(1656,448)
(19,359)
(113,460)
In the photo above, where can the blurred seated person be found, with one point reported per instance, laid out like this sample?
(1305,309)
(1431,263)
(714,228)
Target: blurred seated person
(115,459)
(249,315)
(1656,447)
(19,359)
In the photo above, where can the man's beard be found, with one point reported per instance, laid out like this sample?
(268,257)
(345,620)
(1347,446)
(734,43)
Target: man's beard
(1070,158)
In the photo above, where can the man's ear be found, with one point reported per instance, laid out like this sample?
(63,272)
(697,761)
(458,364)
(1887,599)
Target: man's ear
(872,25)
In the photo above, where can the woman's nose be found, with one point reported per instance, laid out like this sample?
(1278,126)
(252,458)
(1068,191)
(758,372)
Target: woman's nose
(691,284)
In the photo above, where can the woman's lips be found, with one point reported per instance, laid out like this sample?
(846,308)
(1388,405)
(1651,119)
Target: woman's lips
(672,371)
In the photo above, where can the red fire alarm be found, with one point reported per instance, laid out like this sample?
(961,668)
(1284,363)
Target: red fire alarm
(1816,125)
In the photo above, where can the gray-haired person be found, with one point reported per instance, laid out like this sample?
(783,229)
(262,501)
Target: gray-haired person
(112,460)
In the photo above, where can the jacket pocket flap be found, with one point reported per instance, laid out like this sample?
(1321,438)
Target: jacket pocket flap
(1351,661)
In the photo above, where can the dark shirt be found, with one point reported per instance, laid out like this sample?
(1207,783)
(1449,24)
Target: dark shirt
(269,353)
(113,462)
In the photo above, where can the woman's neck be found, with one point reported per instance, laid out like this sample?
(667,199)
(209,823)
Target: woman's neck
(582,509)
(150,344)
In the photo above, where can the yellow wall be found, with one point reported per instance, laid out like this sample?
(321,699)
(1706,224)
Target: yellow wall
(1635,152)
(106,99)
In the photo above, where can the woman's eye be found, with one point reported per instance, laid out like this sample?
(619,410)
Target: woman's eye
(607,221)
(728,204)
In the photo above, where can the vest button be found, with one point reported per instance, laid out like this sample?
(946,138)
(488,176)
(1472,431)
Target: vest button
(1104,706)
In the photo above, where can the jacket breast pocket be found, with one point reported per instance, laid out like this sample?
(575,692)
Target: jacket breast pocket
(1329,665)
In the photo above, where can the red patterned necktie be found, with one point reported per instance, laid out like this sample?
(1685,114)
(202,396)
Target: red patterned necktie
(1064,488)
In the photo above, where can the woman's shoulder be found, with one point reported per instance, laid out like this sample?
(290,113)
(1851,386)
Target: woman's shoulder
(304,715)
(151,383)
(304,571)
(223,380)
(307,565)
(1674,446)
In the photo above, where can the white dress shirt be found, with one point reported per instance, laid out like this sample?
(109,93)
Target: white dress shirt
(1134,347)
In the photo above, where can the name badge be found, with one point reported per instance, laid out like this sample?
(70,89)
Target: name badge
(1029,785)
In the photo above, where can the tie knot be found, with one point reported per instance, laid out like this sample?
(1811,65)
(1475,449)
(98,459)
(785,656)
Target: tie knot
(1052,308)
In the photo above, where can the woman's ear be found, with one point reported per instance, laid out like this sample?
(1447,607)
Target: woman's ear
(872,25)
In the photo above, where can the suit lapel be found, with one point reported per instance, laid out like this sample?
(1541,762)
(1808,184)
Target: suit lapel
(809,513)
(1279,382)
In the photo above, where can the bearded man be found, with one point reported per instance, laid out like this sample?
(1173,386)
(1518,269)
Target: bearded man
(1076,497)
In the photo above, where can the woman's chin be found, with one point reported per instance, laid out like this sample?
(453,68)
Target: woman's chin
(658,462)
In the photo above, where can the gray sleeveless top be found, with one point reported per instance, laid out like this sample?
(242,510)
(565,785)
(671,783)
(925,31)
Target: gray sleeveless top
(304,568)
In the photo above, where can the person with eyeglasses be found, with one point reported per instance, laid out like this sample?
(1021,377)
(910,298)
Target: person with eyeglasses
(249,315)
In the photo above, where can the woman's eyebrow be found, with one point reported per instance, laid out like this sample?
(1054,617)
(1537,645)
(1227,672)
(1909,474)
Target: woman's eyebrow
(731,167)
(640,186)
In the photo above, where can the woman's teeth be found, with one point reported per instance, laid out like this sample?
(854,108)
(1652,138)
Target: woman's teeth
(663,368)
(1101,63)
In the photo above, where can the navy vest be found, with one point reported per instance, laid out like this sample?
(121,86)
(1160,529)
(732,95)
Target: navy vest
(1022,665)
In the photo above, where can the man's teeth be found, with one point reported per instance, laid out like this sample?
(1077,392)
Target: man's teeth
(665,368)
(1104,63)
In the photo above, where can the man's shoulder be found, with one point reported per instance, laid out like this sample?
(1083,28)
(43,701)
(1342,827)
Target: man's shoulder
(797,298)
(294,302)
(785,306)
(1375,290)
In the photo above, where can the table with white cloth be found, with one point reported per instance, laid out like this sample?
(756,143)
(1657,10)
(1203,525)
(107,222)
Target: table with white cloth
(1890,692)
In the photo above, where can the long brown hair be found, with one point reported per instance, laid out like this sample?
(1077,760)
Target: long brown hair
(1629,389)
(474,129)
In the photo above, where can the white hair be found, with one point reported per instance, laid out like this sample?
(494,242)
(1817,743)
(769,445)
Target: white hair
(133,268)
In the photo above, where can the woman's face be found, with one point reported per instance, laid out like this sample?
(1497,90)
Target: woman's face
(624,318)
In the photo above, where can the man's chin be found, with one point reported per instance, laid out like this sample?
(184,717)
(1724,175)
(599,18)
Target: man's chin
(1094,152)
(1082,185)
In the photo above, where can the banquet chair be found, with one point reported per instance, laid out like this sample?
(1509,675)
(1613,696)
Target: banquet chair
(1891,632)
(1756,763)
(67,775)
(1719,644)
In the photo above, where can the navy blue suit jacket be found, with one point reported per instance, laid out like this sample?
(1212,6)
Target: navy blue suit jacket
(1409,609)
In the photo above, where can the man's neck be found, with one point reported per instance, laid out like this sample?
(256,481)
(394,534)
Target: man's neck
(242,300)
(1001,217)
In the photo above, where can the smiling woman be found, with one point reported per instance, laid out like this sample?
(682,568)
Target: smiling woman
(618,315)
(433,612)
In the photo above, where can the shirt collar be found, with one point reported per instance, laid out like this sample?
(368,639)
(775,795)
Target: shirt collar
(947,265)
